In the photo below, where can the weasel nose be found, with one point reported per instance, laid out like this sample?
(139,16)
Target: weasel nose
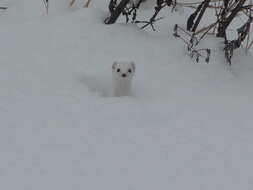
(123,75)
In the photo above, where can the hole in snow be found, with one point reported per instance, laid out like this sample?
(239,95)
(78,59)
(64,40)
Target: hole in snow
(98,85)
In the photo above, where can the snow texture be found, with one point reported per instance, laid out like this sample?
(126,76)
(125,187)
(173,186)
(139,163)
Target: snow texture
(187,127)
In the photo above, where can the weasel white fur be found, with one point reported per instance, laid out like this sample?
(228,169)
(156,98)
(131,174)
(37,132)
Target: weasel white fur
(122,74)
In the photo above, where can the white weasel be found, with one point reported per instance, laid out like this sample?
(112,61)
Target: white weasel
(122,74)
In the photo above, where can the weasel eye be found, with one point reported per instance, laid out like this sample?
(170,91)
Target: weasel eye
(118,70)
(129,70)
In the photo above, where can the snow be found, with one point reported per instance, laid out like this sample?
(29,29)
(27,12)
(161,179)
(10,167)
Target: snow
(188,126)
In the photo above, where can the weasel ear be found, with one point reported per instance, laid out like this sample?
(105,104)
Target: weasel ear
(133,65)
(114,65)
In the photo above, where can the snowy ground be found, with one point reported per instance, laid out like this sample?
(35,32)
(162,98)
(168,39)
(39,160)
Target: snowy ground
(188,126)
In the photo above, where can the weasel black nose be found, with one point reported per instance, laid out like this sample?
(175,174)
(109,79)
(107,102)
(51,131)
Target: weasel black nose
(123,75)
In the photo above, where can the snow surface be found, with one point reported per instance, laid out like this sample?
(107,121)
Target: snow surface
(188,127)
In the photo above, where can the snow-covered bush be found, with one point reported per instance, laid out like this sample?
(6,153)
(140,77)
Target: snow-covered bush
(223,12)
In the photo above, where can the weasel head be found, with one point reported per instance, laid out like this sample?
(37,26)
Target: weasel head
(123,70)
